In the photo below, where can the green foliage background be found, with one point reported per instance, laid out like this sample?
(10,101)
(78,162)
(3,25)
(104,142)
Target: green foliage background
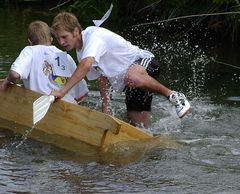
(127,13)
(130,12)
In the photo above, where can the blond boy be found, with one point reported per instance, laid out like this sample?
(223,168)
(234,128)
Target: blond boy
(43,67)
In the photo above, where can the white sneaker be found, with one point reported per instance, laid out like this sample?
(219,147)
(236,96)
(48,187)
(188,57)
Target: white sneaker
(180,102)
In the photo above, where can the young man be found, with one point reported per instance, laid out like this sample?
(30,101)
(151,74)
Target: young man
(108,57)
(43,67)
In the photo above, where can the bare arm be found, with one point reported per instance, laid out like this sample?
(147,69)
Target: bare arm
(82,69)
(105,91)
(12,77)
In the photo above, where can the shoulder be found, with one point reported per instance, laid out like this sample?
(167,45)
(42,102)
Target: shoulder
(95,35)
(52,48)
(28,50)
(90,29)
(95,31)
(37,48)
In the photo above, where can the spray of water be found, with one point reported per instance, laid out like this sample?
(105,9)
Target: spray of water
(23,138)
(184,67)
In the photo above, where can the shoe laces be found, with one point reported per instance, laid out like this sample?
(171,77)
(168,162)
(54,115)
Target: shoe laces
(177,98)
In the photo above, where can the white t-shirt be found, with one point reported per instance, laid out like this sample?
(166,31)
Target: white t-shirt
(112,53)
(46,68)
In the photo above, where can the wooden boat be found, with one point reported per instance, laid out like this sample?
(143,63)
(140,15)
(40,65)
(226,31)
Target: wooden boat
(65,125)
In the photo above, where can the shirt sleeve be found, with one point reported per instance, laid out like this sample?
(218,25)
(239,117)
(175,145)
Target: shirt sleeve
(22,65)
(94,47)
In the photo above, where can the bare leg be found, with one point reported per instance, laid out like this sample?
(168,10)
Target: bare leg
(139,119)
(138,77)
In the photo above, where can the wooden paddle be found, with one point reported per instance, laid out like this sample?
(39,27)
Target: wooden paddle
(41,106)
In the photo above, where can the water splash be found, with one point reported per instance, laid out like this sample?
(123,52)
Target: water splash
(23,138)
(126,152)
(183,63)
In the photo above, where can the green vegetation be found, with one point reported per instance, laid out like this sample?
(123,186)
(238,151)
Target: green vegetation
(130,12)
(156,12)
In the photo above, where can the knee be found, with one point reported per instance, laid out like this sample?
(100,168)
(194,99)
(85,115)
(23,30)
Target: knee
(136,76)
(133,81)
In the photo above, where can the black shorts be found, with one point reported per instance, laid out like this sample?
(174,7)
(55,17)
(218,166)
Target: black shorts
(138,99)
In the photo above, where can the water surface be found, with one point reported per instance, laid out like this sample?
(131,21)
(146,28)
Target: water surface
(206,160)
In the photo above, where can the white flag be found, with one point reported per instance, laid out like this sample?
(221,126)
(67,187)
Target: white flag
(106,15)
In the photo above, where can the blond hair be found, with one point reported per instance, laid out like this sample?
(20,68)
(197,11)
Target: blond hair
(39,33)
(65,21)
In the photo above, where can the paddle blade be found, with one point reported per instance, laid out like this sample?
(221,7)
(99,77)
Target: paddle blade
(41,106)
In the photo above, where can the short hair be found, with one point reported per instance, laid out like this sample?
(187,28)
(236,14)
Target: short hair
(39,32)
(65,21)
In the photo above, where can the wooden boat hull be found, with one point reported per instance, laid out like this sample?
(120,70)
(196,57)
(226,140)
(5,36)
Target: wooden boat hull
(66,125)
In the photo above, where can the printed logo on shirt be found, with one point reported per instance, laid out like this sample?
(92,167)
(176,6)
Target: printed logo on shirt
(59,81)
(59,64)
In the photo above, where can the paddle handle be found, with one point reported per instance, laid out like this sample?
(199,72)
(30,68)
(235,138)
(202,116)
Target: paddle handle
(51,98)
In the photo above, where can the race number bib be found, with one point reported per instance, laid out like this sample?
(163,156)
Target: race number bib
(60,65)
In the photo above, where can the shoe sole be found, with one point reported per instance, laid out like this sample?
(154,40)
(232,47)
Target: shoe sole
(188,111)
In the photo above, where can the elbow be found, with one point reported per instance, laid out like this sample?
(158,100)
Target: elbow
(13,76)
(87,68)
